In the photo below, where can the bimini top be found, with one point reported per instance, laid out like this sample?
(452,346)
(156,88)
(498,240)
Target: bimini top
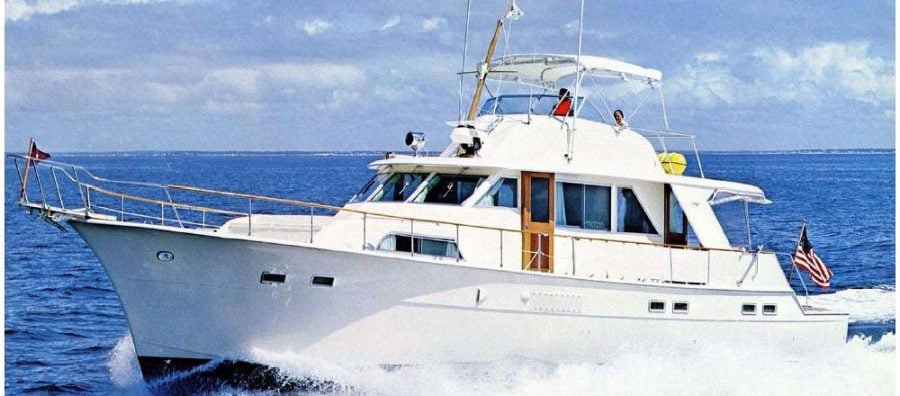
(545,70)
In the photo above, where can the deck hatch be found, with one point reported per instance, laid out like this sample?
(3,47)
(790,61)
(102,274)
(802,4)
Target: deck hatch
(323,281)
(269,277)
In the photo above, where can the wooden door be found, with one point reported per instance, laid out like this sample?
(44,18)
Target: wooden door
(537,221)
(676,223)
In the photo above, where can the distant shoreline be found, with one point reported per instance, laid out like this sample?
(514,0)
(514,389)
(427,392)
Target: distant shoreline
(360,153)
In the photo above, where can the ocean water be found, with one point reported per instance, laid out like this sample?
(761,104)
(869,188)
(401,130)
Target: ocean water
(65,331)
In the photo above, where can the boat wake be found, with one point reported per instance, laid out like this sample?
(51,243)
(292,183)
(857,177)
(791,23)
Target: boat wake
(861,366)
(863,305)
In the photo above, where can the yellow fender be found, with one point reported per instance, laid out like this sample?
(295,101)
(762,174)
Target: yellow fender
(672,163)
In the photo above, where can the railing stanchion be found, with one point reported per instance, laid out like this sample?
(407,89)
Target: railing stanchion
(122,207)
(671,272)
(21,181)
(80,192)
(162,213)
(87,207)
(412,238)
(203,219)
(249,216)
(364,231)
(697,155)
(37,175)
(58,190)
(501,248)
(457,243)
(573,255)
(311,209)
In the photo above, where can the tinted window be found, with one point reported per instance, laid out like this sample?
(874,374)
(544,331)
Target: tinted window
(540,199)
(583,206)
(398,187)
(632,217)
(451,189)
(420,245)
(676,216)
(504,193)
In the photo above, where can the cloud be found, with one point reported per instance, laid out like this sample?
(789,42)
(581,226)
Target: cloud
(431,24)
(315,26)
(23,10)
(806,76)
(391,23)
(228,89)
(709,57)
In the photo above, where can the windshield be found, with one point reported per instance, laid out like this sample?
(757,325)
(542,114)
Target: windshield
(519,104)
(450,189)
(398,187)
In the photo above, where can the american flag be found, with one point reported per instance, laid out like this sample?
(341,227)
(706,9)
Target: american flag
(36,154)
(805,258)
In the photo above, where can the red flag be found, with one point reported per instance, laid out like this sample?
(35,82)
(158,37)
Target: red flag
(805,258)
(36,154)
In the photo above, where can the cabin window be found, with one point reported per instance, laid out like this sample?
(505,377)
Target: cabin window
(398,187)
(584,206)
(680,307)
(449,189)
(769,309)
(420,245)
(657,306)
(748,309)
(504,193)
(540,199)
(631,215)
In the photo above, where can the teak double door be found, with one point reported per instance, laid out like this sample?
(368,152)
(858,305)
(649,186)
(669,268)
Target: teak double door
(537,221)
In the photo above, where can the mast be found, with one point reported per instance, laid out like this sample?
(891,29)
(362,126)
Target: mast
(512,13)
(483,71)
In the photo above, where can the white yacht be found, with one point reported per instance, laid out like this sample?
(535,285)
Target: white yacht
(554,237)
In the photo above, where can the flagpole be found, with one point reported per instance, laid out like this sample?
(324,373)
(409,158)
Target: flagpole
(793,265)
(27,166)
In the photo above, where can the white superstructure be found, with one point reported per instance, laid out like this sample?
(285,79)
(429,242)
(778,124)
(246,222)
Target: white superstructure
(528,235)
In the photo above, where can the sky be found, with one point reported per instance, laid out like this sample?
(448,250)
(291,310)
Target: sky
(129,75)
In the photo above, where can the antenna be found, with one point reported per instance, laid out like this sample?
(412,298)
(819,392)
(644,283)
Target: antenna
(578,75)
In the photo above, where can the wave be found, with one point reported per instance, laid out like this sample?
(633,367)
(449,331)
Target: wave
(860,366)
(863,305)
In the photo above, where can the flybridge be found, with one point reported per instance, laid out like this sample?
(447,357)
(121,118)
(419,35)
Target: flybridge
(546,70)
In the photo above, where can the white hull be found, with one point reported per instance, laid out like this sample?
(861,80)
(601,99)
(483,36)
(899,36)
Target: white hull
(209,303)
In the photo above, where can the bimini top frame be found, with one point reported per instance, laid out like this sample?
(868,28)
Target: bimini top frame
(545,70)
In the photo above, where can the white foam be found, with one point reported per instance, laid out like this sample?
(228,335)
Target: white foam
(863,305)
(858,367)
(124,370)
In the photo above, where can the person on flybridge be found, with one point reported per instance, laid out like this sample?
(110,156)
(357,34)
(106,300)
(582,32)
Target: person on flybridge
(619,116)
(564,105)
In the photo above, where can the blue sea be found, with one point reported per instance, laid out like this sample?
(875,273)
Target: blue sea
(65,331)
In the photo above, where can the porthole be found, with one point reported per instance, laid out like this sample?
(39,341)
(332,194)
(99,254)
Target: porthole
(657,306)
(748,309)
(165,256)
(769,309)
(680,307)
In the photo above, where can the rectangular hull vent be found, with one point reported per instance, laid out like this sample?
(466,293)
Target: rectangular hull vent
(268,277)
(323,281)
